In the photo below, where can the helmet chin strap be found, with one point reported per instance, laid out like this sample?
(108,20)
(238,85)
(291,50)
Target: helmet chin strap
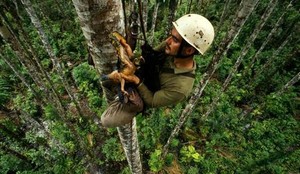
(179,53)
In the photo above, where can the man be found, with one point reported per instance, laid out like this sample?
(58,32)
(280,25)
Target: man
(191,34)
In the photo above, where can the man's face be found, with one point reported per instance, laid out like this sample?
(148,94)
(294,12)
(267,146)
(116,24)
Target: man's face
(173,43)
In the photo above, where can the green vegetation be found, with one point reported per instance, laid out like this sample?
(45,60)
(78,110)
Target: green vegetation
(254,127)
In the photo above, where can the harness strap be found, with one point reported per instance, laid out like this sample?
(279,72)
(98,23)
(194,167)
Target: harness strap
(171,71)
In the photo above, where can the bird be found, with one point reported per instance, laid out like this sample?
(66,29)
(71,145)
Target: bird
(124,54)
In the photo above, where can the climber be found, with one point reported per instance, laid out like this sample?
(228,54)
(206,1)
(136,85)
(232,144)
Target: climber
(170,81)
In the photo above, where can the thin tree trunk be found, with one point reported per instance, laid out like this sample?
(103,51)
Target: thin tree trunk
(255,81)
(58,67)
(96,25)
(225,9)
(253,36)
(242,15)
(294,80)
(128,137)
(153,23)
(190,6)
(270,60)
(145,14)
(171,16)
(32,61)
(40,128)
(273,31)
(4,32)
(16,154)
(47,46)
(244,51)
(16,46)
(21,77)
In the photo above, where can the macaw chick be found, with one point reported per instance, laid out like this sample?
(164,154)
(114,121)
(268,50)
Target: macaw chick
(124,53)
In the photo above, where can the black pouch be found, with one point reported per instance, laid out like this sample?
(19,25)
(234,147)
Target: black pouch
(150,70)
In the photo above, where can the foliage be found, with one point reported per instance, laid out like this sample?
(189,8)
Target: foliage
(189,154)
(4,91)
(87,81)
(155,162)
(252,129)
(112,150)
(9,163)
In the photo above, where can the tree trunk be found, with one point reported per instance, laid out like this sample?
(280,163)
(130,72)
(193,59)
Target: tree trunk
(16,44)
(128,137)
(61,109)
(189,6)
(16,154)
(244,51)
(21,77)
(145,14)
(242,15)
(4,32)
(172,11)
(47,46)
(253,36)
(271,60)
(270,35)
(294,80)
(98,20)
(225,9)
(153,23)
(21,43)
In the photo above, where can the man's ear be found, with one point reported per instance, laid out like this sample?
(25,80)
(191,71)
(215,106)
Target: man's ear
(190,50)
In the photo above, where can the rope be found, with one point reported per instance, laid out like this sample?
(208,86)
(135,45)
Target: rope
(141,19)
(125,18)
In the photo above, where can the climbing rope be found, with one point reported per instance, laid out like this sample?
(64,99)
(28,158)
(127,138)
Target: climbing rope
(141,19)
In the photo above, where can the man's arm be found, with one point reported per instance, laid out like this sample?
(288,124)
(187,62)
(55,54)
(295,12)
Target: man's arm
(159,98)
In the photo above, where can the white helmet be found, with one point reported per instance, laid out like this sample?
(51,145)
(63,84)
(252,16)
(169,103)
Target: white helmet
(195,30)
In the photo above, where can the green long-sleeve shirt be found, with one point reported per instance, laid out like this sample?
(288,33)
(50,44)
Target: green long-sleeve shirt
(175,87)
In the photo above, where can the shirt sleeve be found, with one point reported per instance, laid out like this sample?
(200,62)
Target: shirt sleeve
(159,98)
